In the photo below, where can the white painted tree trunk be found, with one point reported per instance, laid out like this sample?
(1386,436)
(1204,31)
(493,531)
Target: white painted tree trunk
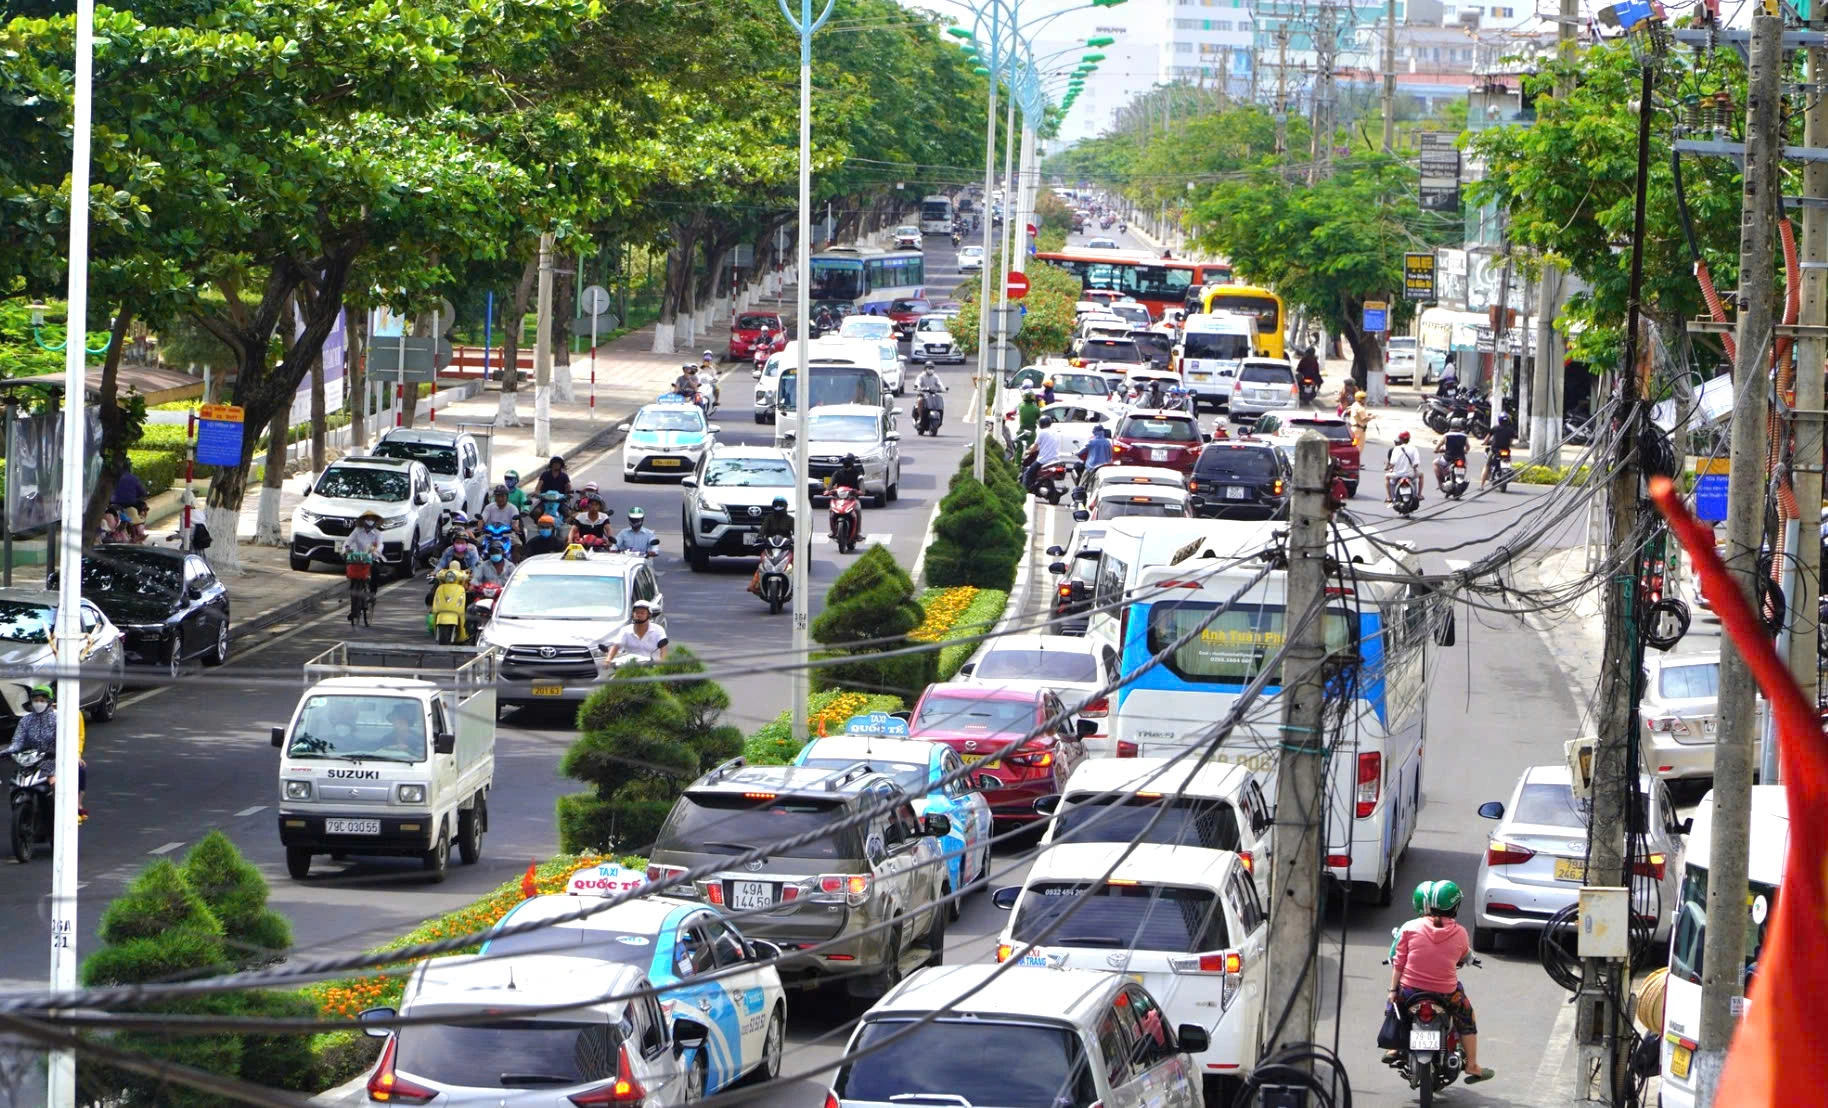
(561,384)
(267,531)
(505,413)
(663,338)
(223,557)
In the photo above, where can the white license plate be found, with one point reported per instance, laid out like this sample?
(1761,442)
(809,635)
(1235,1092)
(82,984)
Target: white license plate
(751,894)
(1159,455)
(1234,493)
(1424,1038)
(752,538)
(931,348)
(1707,726)
(352,827)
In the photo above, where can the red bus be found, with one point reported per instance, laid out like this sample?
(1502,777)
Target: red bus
(1157,282)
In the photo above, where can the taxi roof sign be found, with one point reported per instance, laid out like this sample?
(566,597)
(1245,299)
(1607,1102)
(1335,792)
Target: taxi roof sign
(607,879)
(877,724)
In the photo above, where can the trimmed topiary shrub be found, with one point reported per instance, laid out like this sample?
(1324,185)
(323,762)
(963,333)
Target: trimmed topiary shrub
(234,890)
(974,540)
(870,609)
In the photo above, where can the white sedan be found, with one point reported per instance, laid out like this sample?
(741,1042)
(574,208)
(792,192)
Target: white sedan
(933,341)
(665,440)
(1075,418)
(971,259)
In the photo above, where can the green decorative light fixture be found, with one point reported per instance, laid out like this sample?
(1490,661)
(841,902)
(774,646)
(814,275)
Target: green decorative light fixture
(1102,40)
(959,32)
(1092,58)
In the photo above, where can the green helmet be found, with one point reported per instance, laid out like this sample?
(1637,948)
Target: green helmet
(1420,899)
(42,690)
(1444,897)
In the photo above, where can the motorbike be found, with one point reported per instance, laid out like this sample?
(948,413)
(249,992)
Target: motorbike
(450,606)
(929,412)
(32,804)
(1435,1057)
(1438,413)
(1456,483)
(1052,480)
(498,535)
(652,551)
(1501,469)
(1407,497)
(846,512)
(1310,388)
(776,586)
(482,602)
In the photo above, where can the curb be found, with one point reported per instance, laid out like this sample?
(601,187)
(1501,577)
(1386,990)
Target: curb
(920,559)
(1018,591)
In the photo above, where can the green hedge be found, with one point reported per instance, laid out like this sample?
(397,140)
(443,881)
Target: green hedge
(977,619)
(772,743)
(870,609)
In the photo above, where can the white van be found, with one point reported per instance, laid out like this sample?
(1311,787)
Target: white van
(1215,805)
(1212,346)
(1688,934)
(1135,544)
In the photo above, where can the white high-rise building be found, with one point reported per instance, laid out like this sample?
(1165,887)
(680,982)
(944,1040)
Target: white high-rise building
(1207,43)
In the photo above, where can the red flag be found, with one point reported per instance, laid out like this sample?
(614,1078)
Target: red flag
(1775,1053)
(529,882)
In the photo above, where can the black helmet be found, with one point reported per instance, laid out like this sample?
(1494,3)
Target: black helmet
(850,459)
(1457,423)
(780,503)
(1047,421)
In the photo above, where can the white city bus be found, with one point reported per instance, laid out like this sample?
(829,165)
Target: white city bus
(935,215)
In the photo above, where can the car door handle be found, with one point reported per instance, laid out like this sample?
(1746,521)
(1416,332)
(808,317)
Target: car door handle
(704,1004)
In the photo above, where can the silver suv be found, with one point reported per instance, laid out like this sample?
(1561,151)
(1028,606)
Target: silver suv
(726,497)
(860,904)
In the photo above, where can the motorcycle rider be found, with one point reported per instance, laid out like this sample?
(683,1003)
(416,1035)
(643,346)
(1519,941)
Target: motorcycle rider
(849,474)
(462,552)
(545,539)
(493,570)
(554,478)
(1028,415)
(37,730)
(634,538)
(929,379)
(1049,446)
(1097,451)
(1502,435)
(1307,371)
(707,377)
(499,511)
(642,638)
(593,521)
(517,496)
(1450,448)
(1402,461)
(1450,377)
(1429,951)
(778,522)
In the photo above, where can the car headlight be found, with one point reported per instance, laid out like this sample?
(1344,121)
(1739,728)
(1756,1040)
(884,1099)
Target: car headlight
(392,522)
(412,794)
(309,517)
(298,790)
(711,509)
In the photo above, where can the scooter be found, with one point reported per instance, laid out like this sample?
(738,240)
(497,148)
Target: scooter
(1407,497)
(776,586)
(1456,484)
(1501,469)
(846,513)
(1310,388)
(1052,480)
(482,602)
(450,604)
(1435,1057)
(32,804)
(929,412)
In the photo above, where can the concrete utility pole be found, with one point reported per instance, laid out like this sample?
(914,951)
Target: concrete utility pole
(982,377)
(1224,79)
(1500,332)
(542,355)
(1028,176)
(1723,958)
(1326,47)
(1389,75)
(1546,379)
(1282,89)
(1300,783)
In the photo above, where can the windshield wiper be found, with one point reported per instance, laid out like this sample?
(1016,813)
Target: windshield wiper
(739,848)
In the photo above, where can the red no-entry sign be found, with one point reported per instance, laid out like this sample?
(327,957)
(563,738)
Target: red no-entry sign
(1017,284)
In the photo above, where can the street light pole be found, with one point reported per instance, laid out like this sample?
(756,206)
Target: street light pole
(990,259)
(805,25)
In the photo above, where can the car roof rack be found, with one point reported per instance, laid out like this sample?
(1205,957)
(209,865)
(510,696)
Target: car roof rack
(847,775)
(725,769)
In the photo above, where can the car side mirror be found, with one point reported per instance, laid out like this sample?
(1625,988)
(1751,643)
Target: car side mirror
(370,1015)
(937,826)
(1491,809)
(986,783)
(468,473)
(1079,494)
(279,737)
(195,592)
(689,1035)
(1193,1038)
(713,429)
(306,487)
(1080,515)
(444,743)
(761,950)
(1047,805)
(1056,568)
(1206,436)
(688,482)
(1085,728)
(965,670)
(1056,552)
(1686,825)
(787,436)
(1006,897)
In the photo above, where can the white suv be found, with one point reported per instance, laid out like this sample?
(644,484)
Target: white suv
(456,464)
(726,498)
(933,341)
(398,490)
(554,617)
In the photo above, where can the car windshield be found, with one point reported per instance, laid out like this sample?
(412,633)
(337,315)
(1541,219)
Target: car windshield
(833,385)
(23,621)
(865,327)
(1123,917)
(1081,384)
(1264,373)
(355,483)
(670,419)
(1110,350)
(931,323)
(620,947)
(910,777)
(969,712)
(1138,507)
(531,594)
(1689,682)
(909,306)
(1690,936)
(749,473)
(757,322)
(1230,461)
(1550,805)
(1032,664)
(711,823)
(971,252)
(1189,821)
(1399,345)
(382,728)
(1159,429)
(438,457)
(843,428)
(1208,344)
(905,230)
(509,1053)
(987,1062)
(126,571)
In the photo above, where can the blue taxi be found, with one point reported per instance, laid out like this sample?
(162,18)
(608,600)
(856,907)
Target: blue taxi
(705,971)
(665,439)
(915,764)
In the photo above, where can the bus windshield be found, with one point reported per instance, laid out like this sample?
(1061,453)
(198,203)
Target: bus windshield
(1208,344)
(837,279)
(833,385)
(1232,648)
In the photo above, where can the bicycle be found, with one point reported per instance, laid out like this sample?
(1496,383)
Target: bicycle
(358,567)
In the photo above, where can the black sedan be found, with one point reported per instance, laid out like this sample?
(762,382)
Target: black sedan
(168,604)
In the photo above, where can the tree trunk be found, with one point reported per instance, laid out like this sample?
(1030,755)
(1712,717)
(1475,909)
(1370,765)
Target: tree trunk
(514,312)
(114,444)
(409,401)
(317,414)
(564,297)
(267,531)
(355,367)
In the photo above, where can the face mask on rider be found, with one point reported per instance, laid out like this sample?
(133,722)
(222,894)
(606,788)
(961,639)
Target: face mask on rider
(546,532)
(39,704)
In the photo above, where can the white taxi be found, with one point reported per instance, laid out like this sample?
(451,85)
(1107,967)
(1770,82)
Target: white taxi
(665,439)
(1182,921)
(705,971)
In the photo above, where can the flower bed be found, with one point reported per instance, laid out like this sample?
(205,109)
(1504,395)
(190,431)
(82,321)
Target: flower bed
(977,618)
(773,745)
(943,607)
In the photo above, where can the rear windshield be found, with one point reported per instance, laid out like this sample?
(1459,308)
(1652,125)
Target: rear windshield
(1110,350)
(1038,665)
(1122,917)
(1688,682)
(1253,465)
(439,457)
(1081,384)
(912,778)
(727,823)
(975,713)
(621,947)
(1009,1065)
(757,322)
(1553,805)
(1338,432)
(1206,344)
(518,1053)
(1140,507)
(1189,821)
(1159,429)
(1267,374)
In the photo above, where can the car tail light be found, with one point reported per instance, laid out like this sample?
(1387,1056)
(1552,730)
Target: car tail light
(1249,860)
(662,873)
(1370,782)
(1126,748)
(1004,950)
(1033,759)
(831,1101)
(854,884)
(1500,853)
(1275,488)
(1424,1011)
(1339,861)
(713,892)
(1667,725)
(1652,866)
(389,1087)
(1193,486)
(1097,708)
(1118,448)
(789,892)
(1225,961)
(625,1089)
(1294,390)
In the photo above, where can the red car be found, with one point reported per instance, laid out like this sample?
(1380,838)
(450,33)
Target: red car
(1169,438)
(748,331)
(976,720)
(905,313)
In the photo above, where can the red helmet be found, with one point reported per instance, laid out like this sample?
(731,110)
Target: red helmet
(1402,436)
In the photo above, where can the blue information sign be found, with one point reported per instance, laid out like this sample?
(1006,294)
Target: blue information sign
(879,724)
(219,428)
(1710,497)
(1377,316)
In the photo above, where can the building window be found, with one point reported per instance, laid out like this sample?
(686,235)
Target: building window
(1183,48)
(1503,13)
(1221,24)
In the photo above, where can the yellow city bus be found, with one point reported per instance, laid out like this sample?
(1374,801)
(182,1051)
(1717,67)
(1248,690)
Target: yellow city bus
(1260,302)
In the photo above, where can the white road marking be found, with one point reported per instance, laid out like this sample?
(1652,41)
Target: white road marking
(250,811)
(166,849)
(885,538)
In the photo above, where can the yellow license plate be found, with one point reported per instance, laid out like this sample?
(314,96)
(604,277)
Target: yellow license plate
(978,760)
(666,463)
(1679,1058)
(1570,869)
(548,690)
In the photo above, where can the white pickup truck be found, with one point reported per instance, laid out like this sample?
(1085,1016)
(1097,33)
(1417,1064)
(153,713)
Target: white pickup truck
(391,751)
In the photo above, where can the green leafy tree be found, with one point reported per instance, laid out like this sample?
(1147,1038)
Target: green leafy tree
(1052,292)
(870,609)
